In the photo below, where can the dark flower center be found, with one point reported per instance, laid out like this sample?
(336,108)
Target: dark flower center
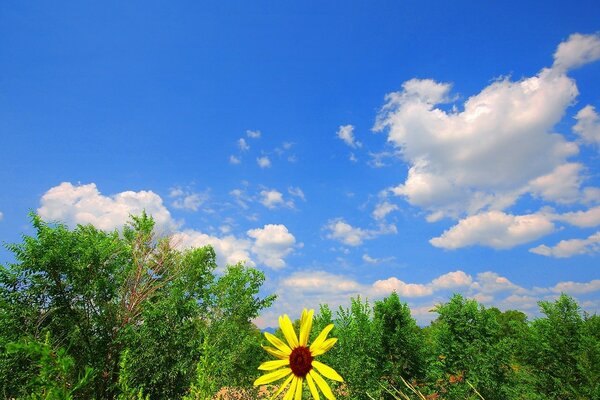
(301,361)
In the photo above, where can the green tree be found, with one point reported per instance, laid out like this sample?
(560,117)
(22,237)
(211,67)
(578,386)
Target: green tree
(402,344)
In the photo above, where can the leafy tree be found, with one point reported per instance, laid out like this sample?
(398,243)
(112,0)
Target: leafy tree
(402,342)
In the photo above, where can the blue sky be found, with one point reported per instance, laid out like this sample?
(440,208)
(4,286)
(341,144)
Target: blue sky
(343,148)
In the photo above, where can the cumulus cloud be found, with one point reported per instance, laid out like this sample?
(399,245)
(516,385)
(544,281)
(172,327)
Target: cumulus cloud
(403,289)
(577,287)
(263,162)
(570,247)
(229,249)
(346,133)
(272,244)
(452,280)
(583,219)
(588,125)
(382,209)
(494,229)
(243,145)
(485,156)
(84,204)
(578,50)
(234,160)
(345,233)
(253,134)
(273,198)
(187,200)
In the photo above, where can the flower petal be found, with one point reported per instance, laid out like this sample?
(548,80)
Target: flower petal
(298,395)
(271,365)
(292,390)
(322,384)
(272,376)
(282,387)
(275,352)
(306,326)
(328,344)
(288,331)
(321,338)
(312,387)
(275,341)
(327,371)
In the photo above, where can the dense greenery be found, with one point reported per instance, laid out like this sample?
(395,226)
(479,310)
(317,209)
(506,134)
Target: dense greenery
(123,315)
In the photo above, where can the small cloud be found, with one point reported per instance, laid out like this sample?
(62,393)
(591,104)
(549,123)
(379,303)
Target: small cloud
(253,134)
(243,145)
(346,133)
(273,199)
(234,160)
(588,125)
(263,162)
(383,209)
(272,244)
(345,233)
(570,248)
(187,200)
(352,158)
(1,215)
(287,145)
(296,192)
(578,50)
(371,260)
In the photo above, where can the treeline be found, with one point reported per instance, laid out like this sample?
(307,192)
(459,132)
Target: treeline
(86,314)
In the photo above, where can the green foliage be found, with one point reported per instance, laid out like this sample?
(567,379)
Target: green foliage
(56,377)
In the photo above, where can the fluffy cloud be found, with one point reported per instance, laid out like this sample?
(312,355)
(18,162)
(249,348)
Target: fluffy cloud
(272,244)
(582,219)
(346,133)
(485,156)
(588,125)
(494,229)
(382,209)
(578,50)
(571,247)
(243,145)
(452,280)
(577,287)
(229,249)
(84,204)
(345,233)
(253,134)
(403,289)
(263,162)
(186,200)
(273,199)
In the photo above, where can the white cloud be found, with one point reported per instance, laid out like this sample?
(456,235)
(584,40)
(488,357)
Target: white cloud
(577,287)
(490,282)
(253,134)
(578,50)
(485,156)
(345,233)
(571,247)
(346,133)
(241,198)
(382,209)
(582,219)
(273,199)
(187,200)
(84,204)
(234,160)
(393,284)
(494,229)
(272,244)
(296,192)
(1,215)
(229,249)
(372,260)
(452,280)
(263,162)
(588,125)
(243,145)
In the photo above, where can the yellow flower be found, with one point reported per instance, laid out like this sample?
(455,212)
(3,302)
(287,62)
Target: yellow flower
(298,359)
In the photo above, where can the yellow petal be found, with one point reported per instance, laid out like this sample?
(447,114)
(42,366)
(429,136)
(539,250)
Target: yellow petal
(290,393)
(312,387)
(327,371)
(321,338)
(272,376)
(328,344)
(306,326)
(275,341)
(282,387)
(288,331)
(298,390)
(322,385)
(275,352)
(271,365)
